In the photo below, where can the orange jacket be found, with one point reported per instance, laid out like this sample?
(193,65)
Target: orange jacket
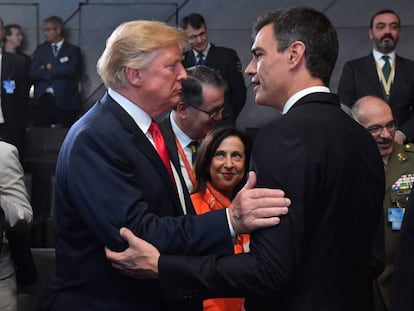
(204,202)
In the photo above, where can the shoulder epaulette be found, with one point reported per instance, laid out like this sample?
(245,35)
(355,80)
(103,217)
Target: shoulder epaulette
(409,147)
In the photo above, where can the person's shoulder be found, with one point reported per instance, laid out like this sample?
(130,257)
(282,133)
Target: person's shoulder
(6,149)
(405,61)
(406,153)
(359,60)
(223,49)
(409,148)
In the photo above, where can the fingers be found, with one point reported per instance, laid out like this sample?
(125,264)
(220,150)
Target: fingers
(251,181)
(127,235)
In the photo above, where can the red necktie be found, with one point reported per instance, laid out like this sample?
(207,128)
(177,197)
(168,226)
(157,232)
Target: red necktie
(161,146)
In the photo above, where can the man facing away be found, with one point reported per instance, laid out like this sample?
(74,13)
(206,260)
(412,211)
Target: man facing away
(202,103)
(223,59)
(113,171)
(317,258)
(376,116)
(384,74)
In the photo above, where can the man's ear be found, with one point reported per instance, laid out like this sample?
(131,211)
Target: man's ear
(370,34)
(296,52)
(134,76)
(181,108)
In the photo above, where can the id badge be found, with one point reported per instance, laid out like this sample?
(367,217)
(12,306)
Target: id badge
(9,86)
(395,217)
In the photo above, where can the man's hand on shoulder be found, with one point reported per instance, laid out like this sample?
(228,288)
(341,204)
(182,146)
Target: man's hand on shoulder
(255,208)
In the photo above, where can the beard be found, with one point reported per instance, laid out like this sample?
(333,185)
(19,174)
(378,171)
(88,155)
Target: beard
(386,47)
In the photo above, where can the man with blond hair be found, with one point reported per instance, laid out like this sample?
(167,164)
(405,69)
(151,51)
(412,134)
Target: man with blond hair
(113,171)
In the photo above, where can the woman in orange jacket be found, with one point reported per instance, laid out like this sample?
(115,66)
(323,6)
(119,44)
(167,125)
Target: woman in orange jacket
(221,170)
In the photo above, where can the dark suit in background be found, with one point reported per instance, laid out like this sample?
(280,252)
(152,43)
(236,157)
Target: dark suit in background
(360,78)
(62,105)
(318,255)
(227,62)
(14,98)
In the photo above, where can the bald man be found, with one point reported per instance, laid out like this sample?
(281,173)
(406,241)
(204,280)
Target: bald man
(376,116)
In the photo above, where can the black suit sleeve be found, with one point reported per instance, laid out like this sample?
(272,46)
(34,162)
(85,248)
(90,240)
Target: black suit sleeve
(275,252)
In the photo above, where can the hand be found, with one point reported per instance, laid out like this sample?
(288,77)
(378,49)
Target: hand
(255,208)
(48,66)
(139,260)
(399,137)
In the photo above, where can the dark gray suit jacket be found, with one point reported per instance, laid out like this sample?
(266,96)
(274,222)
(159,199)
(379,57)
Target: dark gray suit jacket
(317,258)
(360,78)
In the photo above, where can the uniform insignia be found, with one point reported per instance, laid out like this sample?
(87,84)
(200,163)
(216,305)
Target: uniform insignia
(405,182)
(401,157)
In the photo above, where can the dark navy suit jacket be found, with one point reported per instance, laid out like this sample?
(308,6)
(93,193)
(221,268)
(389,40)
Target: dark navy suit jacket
(108,176)
(63,77)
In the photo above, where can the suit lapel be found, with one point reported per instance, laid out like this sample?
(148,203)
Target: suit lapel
(140,140)
(399,77)
(371,69)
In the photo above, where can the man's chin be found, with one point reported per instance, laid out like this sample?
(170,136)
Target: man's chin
(385,149)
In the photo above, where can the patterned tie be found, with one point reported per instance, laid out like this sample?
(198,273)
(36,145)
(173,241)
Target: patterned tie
(386,69)
(200,59)
(55,49)
(161,146)
(194,148)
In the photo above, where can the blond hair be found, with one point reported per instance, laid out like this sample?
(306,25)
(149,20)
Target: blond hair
(132,44)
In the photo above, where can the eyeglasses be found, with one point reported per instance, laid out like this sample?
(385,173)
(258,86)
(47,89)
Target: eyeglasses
(212,114)
(377,129)
(202,35)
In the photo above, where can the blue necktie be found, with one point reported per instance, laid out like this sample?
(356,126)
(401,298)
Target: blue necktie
(55,49)
(200,59)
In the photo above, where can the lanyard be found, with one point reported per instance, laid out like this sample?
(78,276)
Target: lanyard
(186,164)
(386,84)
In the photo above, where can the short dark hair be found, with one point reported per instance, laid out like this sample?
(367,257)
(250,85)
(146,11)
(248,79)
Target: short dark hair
(192,87)
(206,153)
(8,29)
(55,20)
(312,28)
(194,19)
(385,11)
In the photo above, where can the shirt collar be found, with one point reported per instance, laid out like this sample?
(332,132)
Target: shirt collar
(141,118)
(182,137)
(59,44)
(377,56)
(293,99)
(205,52)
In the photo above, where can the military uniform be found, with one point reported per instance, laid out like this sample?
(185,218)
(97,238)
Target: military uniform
(399,176)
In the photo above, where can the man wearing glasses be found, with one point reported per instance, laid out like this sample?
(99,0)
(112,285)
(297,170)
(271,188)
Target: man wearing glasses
(202,103)
(223,59)
(376,116)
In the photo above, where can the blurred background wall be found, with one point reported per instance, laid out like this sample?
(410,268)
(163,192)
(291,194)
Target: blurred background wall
(88,24)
